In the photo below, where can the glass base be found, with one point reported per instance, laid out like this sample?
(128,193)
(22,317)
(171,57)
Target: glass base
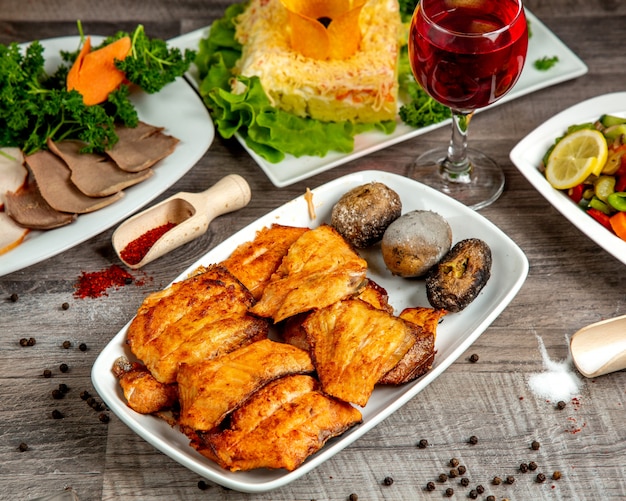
(476,189)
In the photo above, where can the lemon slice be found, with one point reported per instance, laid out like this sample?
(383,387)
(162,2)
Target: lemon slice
(575,158)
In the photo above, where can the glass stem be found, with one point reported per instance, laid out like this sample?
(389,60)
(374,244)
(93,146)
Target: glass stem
(457,168)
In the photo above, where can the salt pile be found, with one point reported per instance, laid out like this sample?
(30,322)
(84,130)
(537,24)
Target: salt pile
(558,381)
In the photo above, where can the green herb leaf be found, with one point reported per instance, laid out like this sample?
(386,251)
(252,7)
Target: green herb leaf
(545,63)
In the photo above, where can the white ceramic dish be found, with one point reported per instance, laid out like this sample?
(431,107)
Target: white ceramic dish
(455,334)
(291,170)
(528,153)
(177,108)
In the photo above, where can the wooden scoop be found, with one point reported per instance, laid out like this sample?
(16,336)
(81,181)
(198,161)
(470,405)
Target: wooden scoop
(191,212)
(600,348)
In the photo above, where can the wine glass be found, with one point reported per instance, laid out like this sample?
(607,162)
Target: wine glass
(466,54)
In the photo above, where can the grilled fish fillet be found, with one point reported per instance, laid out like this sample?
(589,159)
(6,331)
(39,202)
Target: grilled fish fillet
(209,390)
(253,263)
(319,269)
(419,359)
(280,426)
(199,318)
(354,344)
(142,392)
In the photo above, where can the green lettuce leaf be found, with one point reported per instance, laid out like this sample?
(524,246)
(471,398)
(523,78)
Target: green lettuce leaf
(269,131)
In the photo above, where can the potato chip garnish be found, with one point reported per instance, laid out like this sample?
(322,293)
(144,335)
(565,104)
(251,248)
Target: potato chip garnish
(324,29)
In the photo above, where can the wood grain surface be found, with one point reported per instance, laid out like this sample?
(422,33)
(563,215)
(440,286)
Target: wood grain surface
(571,282)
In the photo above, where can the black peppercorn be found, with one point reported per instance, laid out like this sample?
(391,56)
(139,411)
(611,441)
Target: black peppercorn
(47,373)
(423,443)
(556,475)
(104,418)
(453,473)
(449,492)
(31,341)
(523,467)
(454,462)
(490,498)
(461,469)
(496,481)
(64,368)
(63,388)
(430,486)
(57,394)
(56,414)
(65,306)
(480,489)
(82,347)
(23,447)
(541,477)
(14,297)
(388,481)
(532,466)
(535,445)
(464,481)
(560,405)
(474,358)
(67,344)
(510,479)
(23,342)
(443,477)
(128,280)
(353,497)
(473,440)
(202,485)
(473,494)
(84,394)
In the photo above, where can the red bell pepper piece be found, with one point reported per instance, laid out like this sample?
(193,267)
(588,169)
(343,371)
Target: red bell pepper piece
(576,193)
(620,183)
(601,217)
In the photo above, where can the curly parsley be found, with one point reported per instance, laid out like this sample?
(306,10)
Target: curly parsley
(35,105)
(545,63)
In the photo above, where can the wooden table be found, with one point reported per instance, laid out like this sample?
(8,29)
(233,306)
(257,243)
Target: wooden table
(572,282)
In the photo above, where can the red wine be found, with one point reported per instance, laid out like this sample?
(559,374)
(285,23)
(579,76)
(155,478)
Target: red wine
(462,52)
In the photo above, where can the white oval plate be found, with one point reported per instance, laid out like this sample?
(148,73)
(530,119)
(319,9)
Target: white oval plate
(454,335)
(528,153)
(179,109)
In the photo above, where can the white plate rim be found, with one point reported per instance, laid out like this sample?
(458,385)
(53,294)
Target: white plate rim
(291,170)
(180,99)
(505,286)
(527,155)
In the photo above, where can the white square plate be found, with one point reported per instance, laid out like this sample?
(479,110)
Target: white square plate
(543,43)
(528,153)
(455,334)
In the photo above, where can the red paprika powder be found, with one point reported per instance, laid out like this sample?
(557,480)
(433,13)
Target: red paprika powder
(136,250)
(96,284)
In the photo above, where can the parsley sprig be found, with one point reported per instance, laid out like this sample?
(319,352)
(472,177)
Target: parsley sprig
(36,105)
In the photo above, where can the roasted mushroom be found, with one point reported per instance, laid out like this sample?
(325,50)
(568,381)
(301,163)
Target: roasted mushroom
(458,278)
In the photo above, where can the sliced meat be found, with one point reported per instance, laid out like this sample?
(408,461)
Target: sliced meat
(53,179)
(11,233)
(95,175)
(140,147)
(13,174)
(29,209)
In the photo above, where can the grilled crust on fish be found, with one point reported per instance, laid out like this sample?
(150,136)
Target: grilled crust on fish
(372,293)
(209,390)
(201,317)
(143,393)
(279,426)
(419,359)
(319,269)
(354,344)
(254,262)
